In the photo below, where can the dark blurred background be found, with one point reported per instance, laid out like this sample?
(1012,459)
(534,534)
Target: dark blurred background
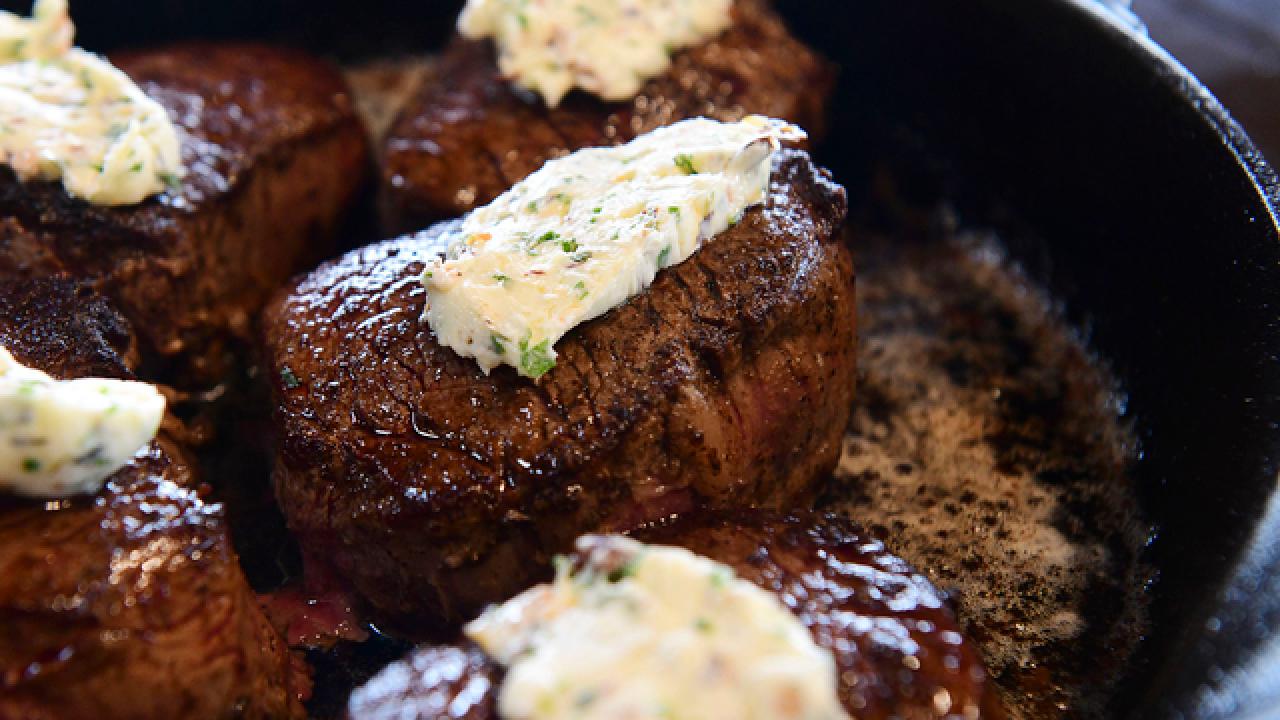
(1234,46)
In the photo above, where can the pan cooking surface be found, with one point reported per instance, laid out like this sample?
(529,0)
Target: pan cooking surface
(988,449)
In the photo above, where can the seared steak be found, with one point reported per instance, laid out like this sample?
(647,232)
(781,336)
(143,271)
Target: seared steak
(898,648)
(128,604)
(469,134)
(274,154)
(435,489)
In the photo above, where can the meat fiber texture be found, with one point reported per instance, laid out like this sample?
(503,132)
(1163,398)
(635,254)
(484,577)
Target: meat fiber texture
(469,134)
(274,154)
(129,603)
(898,648)
(434,489)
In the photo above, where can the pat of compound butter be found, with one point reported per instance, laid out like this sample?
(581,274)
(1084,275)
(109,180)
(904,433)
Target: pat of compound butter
(68,114)
(647,631)
(66,437)
(606,47)
(586,232)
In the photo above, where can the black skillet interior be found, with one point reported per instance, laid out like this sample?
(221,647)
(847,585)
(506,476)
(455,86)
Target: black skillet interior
(1112,176)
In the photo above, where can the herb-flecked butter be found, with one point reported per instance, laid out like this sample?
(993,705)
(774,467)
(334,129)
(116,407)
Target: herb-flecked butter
(65,437)
(643,632)
(587,231)
(606,47)
(68,114)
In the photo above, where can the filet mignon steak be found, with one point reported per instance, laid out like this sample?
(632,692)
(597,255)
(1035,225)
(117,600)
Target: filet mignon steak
(130,603)
(898,648)
(274,154)
(435,489)
(468,134)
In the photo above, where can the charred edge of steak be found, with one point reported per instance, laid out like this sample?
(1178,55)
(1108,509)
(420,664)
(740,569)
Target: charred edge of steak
(469,134)
(898,647)
(435,489)
(64,328)
(275,154)
(129,603)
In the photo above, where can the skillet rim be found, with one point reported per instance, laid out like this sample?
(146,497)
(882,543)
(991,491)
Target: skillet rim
(1225,652)
(1197,94)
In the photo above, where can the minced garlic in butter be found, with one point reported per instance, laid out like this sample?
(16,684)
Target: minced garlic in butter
(65,437)
(586,232)
(68,114)
(606,47)
(647,632)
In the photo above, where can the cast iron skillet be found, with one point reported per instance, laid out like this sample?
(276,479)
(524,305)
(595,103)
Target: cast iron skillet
(1113,175)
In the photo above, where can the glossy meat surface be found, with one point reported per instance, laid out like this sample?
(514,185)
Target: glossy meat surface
(434,489)
(469,134)
(275,155)
(898,648)
(130,603)
(455,682)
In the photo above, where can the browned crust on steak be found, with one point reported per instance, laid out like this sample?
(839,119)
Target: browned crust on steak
(130,603)
(435,489)
(64,328)
(469,134)
(899,650)
(275,154)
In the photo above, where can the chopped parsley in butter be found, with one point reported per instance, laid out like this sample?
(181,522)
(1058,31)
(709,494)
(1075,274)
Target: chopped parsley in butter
(68,114)
(65,437)
(606,47)
(586,232)
(644,632)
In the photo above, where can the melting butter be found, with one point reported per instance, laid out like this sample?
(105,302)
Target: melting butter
(646,631)
(586,232)
(65,437)
(606,47)
(68,114)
